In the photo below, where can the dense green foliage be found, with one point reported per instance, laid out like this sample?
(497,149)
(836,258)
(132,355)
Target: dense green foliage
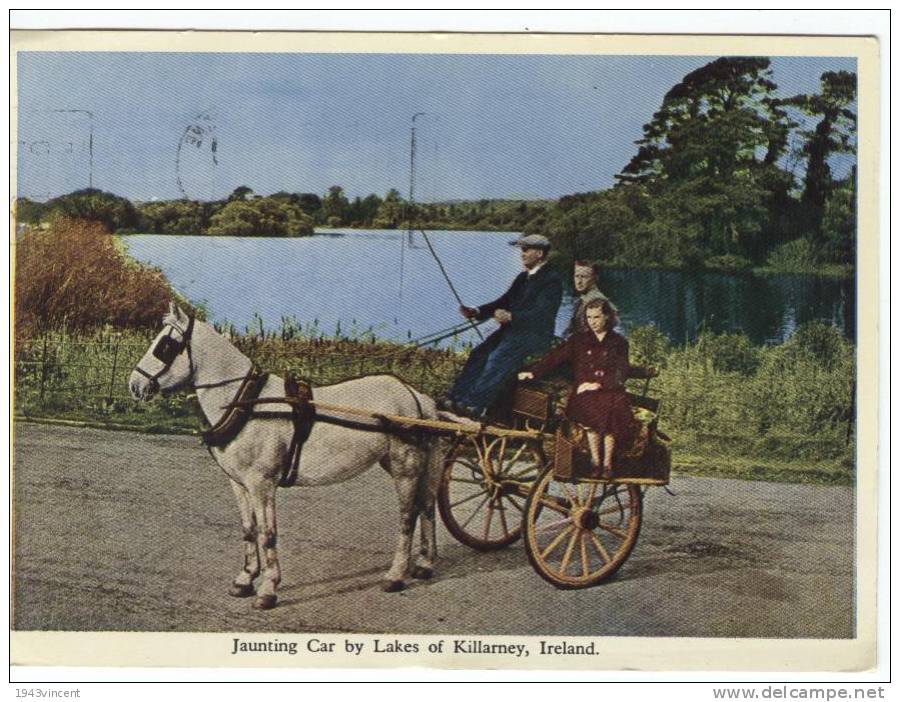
(90,205)
(710,186)
(283,213)
(263,216)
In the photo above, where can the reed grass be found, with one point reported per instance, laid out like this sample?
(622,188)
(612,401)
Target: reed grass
(780,413)
(73,276)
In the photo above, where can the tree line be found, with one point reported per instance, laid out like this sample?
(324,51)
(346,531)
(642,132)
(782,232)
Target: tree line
(726,176)
(244,213)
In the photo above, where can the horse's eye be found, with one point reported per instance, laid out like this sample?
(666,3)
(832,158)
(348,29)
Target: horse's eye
(167,349)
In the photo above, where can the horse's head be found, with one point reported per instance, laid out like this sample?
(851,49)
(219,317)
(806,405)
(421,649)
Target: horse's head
(167,365)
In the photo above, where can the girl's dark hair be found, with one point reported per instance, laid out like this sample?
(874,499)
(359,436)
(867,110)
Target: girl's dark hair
(609,309)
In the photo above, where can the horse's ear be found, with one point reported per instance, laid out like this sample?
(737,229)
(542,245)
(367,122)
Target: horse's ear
(172,309)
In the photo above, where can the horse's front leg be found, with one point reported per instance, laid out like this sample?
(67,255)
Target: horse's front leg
(242,586)
(262,498)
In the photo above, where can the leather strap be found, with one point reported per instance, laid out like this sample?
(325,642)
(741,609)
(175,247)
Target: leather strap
(236,416)
(303,416)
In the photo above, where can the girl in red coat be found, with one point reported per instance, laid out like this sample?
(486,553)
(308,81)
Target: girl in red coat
(599,360)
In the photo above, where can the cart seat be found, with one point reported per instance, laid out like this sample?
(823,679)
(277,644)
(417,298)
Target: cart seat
(648,460)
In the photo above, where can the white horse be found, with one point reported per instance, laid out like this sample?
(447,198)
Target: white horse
(191,354)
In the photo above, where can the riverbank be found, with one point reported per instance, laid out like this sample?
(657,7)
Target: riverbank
(826,270)
(734,410)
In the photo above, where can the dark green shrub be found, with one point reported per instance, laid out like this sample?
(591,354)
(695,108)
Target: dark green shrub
(819,341)
(728,262)
(795,256)
(728,353)
(648,346)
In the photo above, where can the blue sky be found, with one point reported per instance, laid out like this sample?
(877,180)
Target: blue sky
(494,126)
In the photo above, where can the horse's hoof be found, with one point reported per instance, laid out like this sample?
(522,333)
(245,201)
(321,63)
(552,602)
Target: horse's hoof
(265,601)
(237,590)
(422,573)
(393,585)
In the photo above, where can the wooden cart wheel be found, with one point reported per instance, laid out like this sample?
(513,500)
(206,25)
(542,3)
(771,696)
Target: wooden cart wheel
(579,534)
(483,488)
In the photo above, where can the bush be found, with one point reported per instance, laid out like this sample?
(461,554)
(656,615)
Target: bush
(264,216)
(728,353)
(112,211)
(648,346)
(797,256)
(821,342)
(728,262)
(72,275)
(172,217)
(806,385)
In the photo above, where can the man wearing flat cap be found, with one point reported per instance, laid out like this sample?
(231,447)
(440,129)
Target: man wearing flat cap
(527,317)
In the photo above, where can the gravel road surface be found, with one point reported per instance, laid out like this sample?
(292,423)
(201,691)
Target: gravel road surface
(126,531)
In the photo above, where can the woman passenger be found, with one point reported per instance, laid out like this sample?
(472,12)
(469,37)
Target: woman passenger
(599,360)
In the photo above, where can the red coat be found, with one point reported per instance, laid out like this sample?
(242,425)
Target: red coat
(605,362)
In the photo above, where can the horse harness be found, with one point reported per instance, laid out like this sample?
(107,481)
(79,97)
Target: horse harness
(240,410)
(297,393)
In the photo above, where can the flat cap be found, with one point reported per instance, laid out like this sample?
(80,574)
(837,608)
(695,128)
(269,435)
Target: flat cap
(532,241)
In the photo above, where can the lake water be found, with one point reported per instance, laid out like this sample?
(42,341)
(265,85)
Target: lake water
(353,277)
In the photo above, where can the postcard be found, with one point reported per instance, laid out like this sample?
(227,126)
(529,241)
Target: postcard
(444,350)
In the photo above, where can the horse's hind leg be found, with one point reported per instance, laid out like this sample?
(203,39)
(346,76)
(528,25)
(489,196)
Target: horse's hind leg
(406,492)
(424,567)
(262,499)
(242,586)
(426,495)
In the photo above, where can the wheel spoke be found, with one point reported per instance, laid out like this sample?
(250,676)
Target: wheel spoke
(477,509)
(469,481)
(514,503)
(517,455)
(501,457)
(556,541)
(585,566)
(529,469)
(613,530)
(591,494)
(612,509)
(487,521)
(568,554)
(601,549)
(466,499)
(552,525)
(569,494)
(554,505)
(502,512)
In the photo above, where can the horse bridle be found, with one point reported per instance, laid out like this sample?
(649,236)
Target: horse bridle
(167,349)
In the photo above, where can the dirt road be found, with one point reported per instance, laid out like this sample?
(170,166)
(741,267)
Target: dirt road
(125,531)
